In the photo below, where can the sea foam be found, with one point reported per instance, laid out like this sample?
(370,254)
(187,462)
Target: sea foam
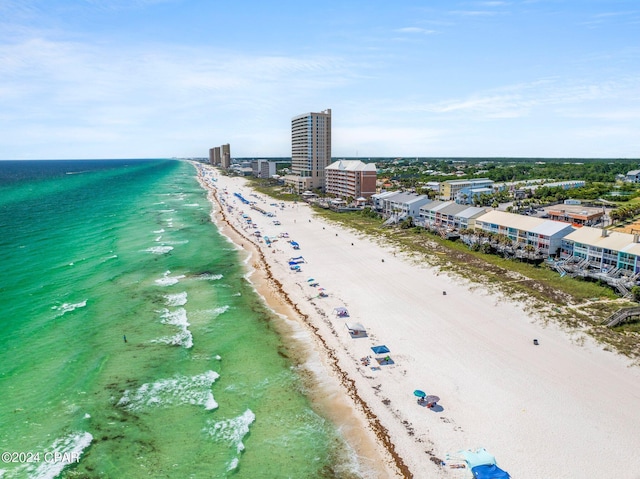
(178,299)
(168,280)
(222,309)
(232,431)
(63,452)
(208,277)
(179,390)
(181,338)
(159,249)
(68,307)
(176,318)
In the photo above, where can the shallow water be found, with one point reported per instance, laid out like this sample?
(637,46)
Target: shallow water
(96,252)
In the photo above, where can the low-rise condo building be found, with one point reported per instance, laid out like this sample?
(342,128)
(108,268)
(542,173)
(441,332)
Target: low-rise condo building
(545,236)
(450,189)
(579,216)
(263,168)
(603,250)
(399,205)
(449,215)
(350,179)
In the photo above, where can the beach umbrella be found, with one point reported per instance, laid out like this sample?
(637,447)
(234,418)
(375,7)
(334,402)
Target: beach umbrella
(432,399)
(419,393)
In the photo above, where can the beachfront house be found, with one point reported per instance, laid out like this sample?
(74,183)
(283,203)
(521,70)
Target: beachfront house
(543,236)
(449,215)
(377,200)
(401,205)
(603,250)
(608,256)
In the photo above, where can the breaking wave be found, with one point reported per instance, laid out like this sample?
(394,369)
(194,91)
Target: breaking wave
(232,431)
(176,391)
(168,280)
(159,249)
(63,452)
(68,307)
(177,318)
(178,299)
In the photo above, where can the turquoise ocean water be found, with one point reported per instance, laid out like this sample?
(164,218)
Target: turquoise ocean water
(203,387)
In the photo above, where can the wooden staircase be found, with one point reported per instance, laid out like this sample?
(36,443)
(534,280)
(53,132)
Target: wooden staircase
(621,316)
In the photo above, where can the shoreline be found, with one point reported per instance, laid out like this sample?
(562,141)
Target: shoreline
(471,347)
(386,461)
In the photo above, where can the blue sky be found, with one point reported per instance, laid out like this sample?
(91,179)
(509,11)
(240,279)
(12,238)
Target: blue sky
(162,78)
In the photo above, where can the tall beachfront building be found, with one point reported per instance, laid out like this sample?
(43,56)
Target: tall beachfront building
(225,153)
(310,150)
(214,156)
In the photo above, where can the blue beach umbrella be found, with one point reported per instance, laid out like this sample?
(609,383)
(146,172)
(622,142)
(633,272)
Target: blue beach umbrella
(419,393)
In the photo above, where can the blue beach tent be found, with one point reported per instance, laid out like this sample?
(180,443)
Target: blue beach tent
(483,465)
(489,472)
(380,349)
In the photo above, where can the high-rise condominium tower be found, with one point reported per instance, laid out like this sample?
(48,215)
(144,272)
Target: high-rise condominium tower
(310,150)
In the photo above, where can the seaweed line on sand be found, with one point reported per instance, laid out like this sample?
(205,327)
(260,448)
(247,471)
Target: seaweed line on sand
(348,383)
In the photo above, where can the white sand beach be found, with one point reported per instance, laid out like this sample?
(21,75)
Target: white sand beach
(565,408)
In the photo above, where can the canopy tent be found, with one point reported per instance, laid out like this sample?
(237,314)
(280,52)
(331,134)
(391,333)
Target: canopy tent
(479,457)
(380,349)
(355,328)
(341,311)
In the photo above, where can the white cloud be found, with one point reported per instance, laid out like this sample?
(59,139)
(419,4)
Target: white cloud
(474,13)
(384,141)
(96,95)
(521,100)
(417,30)
(151,96)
